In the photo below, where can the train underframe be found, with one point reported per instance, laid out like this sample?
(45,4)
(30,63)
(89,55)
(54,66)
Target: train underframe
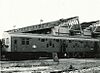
(38,55)
(24,55)
(77,55)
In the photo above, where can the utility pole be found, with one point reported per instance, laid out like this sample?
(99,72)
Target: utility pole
(41,21)
(14,26)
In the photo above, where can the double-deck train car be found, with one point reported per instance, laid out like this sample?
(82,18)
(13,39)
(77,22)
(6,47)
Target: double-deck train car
(24,45)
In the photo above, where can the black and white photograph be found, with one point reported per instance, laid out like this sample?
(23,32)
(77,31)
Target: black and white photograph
(49,36)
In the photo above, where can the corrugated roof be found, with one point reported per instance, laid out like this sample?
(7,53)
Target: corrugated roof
(87,24)
(42,26)
(52,37)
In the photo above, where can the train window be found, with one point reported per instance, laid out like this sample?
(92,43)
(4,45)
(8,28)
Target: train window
(27,41)
(81,41)
(15,41)
(70,41)
(7,40)
(39,39)
(47,45)
(57,40)
(42,40)
(54,39)
(23,41)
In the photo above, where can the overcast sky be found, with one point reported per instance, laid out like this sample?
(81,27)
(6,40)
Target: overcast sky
(29,12)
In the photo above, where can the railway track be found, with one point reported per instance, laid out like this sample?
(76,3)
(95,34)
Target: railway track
(47,65)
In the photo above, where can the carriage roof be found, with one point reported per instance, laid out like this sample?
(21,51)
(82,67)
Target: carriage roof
(27,35)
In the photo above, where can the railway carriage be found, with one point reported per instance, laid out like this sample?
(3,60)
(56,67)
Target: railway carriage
(24,45)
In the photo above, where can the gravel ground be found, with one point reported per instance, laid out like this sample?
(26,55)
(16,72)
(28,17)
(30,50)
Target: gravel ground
(36,66)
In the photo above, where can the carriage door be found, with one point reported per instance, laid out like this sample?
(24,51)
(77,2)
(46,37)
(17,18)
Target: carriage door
(96,46)
(15,45)
(63,46)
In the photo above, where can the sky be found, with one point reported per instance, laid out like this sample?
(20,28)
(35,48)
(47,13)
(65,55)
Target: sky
(21,13)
